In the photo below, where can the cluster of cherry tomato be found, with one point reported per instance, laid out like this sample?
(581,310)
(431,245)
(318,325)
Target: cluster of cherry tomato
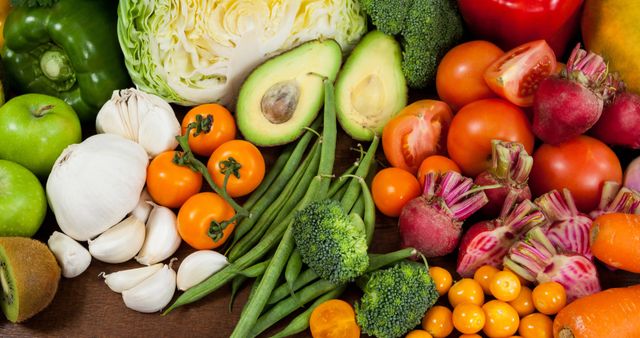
(179,187)
(512,309)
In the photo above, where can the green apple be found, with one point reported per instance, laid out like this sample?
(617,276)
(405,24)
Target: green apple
(23,204)
(34,129)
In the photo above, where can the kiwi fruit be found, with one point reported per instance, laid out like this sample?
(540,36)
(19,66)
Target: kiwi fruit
(29,276)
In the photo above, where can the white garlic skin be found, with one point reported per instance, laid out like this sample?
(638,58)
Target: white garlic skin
(162,238)
(143,208)
(198,266)
(119,243)
(152,294)
(72,257)
(126,279)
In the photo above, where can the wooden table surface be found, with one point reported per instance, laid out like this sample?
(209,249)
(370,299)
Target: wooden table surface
(85,307)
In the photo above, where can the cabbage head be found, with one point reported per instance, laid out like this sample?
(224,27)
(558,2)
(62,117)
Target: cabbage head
(199,51)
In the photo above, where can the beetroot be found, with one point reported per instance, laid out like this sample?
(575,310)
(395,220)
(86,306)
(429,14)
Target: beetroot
(536,259)
(569,228)
(568,105)
(509,174)
(619,124)
(632,175)
(488,242)
(432,222)
(617,199)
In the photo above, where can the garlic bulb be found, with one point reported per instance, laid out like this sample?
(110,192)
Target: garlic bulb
(94,184)
(72,257)
(153,293)
(126,279)
(141,117)
(120,243)
(162,238)
(198,266)
(143,208)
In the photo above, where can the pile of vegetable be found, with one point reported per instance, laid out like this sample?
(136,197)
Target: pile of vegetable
(199,144)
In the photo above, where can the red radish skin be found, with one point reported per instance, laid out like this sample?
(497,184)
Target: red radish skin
(568,105)
(432,222)
(488,242)
(619,124)
(498,195)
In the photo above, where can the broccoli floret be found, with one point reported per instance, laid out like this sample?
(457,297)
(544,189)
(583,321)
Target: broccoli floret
(33,3)
(395,300)
(330,242)
(427,29)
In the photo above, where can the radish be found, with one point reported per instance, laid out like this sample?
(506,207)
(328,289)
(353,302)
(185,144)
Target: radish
(568,105)
(510,168)
(619,124)
(569,228)
(536,259)
(488,242)
(432,222)
(617,199)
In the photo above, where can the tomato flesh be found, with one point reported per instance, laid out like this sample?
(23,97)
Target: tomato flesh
(517,74)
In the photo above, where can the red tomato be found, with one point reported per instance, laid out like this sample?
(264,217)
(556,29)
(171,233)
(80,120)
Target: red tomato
(479,122)
(581,165)
(517,74)
(416,132)
(392,188)
(460,76)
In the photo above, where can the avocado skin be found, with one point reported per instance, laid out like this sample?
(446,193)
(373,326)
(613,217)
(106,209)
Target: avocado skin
(305,65)
(371,88)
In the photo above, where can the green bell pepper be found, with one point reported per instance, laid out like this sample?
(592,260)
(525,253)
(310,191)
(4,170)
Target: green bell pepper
(69,50)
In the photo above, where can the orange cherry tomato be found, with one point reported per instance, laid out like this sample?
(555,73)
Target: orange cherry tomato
(549,297)
(466,290)
(392,188)
(251,170)
(195,217)
(223,128)
(436,163)
(502,319)
(169,184)
(479,122)
(460,75)
(418,334)
(505,286)
(442,278)
(468,318)
(334,318)
(517,74)
(536,325)
(483,276)
(522,280)
(438,321)
(524,302)
(418,131)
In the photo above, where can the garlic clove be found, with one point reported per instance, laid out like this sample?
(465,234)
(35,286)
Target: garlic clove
(72,257)
(143,208)
(119,243)
(198,266)
(153,293)
(127,279)
(162,237)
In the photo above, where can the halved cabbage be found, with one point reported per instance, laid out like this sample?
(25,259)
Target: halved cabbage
(199,51)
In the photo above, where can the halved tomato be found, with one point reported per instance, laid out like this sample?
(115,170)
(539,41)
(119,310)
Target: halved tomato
(418,131)
(517,74)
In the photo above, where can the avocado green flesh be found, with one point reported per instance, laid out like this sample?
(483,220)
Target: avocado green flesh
(284,95)
(371,88)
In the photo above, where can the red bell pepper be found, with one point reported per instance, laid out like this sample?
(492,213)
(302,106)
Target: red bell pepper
(509,23)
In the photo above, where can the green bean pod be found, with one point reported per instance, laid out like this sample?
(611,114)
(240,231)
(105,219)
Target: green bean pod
(274,171)
(353,190)
(281,292)
(292,271)
(358,207)
(341,181)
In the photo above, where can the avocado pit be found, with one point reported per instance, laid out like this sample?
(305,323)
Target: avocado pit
(279,102)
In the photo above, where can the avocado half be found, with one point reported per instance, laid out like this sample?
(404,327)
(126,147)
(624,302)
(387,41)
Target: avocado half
(283,95)
(371,88)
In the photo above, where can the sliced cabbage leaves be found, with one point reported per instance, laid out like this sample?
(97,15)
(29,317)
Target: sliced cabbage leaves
(199,51)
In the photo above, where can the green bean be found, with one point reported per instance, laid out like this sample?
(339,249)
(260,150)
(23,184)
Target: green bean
(286,306)
(278,185)
(292,271)
(340,182)
(258,300)
(340,193)
(369,216)
(253,271)
(301,321)
(377,261)
(329,136)
(353,189)
(358,207)
(282,207)
(236,284)
(274,171)
(305,277)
